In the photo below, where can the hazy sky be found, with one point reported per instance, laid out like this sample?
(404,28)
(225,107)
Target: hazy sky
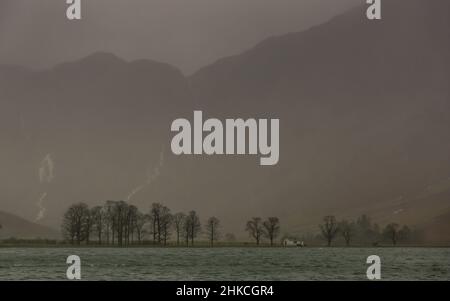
(186,33)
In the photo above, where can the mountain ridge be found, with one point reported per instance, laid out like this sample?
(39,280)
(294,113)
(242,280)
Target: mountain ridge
(14,226)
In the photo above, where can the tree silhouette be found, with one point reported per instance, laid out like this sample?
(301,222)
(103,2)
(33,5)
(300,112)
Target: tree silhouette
(329,228)
(212,229)
(255,229)
(347,230)
(272,228)
(98,221)
(75,223)
(141,222)
(391,232)
(178,222)
(155,215)
(194,225)
(166,223)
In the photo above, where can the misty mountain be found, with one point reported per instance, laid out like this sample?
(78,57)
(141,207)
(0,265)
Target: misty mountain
(103,121)
(17,227)
(188,34)
(363,108)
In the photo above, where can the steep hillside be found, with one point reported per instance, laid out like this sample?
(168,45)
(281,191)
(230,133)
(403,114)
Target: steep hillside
(17,227)
(362,105)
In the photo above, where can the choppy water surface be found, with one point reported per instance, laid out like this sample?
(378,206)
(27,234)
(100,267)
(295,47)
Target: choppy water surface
(225,263)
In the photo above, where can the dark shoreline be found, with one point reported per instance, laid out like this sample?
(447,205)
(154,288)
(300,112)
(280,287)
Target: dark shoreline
(207,246)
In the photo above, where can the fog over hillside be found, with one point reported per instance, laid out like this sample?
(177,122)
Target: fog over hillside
(16,227)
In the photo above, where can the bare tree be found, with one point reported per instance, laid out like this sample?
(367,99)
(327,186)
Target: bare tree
(255,229)
(82,222)
(109,221)
(194,225)
(69,225)
(187,230)
(75,222)
(130,223)
(212,229)
(121,213)
(155,214)
(118,220)
(88,223)
(141,221)
(113,212)
(272,228)
(97,215)
(178,222)
(366,231)
(166,223)
(391,232)
(329,228)
(347,230)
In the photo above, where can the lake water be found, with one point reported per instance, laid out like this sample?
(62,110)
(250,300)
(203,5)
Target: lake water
(225,263)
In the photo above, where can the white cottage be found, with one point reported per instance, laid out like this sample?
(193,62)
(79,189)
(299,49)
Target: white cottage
(293,243)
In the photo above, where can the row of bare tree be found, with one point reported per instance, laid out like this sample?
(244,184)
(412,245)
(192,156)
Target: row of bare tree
(363,230)
(258,229)
(119,223)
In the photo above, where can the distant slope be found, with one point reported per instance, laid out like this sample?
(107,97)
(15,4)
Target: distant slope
(363,109)
(438,229)
(14,226)
(104,120)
